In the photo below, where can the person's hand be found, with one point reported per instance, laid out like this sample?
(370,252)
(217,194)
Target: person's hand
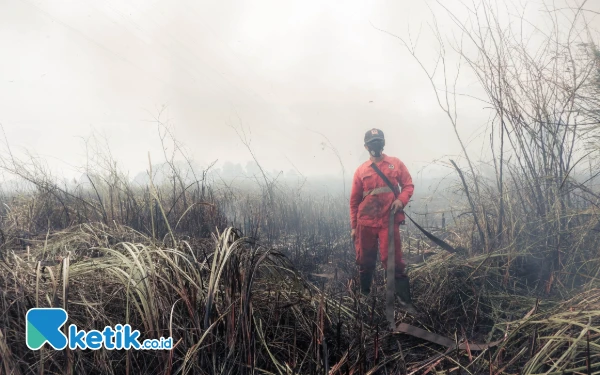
(397,205)
(353,234)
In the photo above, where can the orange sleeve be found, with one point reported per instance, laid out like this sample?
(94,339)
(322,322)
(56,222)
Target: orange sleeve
(405,181)
(356,196)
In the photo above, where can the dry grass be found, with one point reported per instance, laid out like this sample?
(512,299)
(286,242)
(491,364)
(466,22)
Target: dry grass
(236,307)
(279,296)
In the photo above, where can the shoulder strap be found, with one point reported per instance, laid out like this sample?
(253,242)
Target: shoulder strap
(438,241)
(385,179)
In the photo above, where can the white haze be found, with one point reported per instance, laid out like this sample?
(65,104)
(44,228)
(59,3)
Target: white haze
(298,77)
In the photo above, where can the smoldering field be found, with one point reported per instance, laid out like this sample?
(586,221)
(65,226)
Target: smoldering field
(255,274)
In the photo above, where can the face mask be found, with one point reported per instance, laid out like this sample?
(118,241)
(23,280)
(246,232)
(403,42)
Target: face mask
(375,148)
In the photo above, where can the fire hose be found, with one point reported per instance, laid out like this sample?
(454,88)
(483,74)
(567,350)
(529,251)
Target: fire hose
(390,285)
(407,328)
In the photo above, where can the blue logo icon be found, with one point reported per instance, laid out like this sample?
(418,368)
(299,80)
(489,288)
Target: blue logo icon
(43,326)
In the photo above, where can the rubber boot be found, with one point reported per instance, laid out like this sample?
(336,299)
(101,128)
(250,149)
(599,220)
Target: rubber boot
(403,291)
(366,278)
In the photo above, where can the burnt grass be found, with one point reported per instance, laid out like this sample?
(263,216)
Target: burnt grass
(278,293)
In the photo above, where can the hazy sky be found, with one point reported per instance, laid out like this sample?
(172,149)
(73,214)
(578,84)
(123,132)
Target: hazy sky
(285,69)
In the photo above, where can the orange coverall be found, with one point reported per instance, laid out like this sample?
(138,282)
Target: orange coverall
(369,214)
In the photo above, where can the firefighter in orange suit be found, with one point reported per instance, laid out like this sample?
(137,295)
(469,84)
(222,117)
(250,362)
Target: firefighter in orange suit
(371,200)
